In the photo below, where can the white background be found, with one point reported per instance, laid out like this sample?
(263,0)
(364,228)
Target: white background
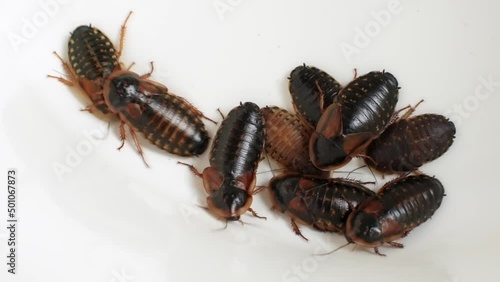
(112,219)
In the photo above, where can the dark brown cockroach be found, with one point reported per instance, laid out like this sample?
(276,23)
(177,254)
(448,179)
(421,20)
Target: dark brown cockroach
(360,112)
(312,91)
(324,203)
(236,152)
(399,207)
(92,58)
(287,141)
(409,143)
(168,121)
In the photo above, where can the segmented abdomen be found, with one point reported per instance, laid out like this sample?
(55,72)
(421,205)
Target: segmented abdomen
(409,143)
(306,85)
(91,53)
(330,204)
(171,124)
(239,141)
(93,58)
(411,200)
(368,103)
(287,141)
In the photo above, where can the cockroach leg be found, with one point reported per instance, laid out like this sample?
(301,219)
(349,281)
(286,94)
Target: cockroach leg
(297,230)
(396,244)
(62,80)
(256,215)
(406,233)
(409,111)
(147,75)
(122,135)
(192,168)
(72,78)
(89,108)
(138,146)
(378,253)
(258,189)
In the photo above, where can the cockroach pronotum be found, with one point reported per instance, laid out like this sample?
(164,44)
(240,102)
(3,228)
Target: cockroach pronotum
(399,207)
(287,141)
(408,143)
(312,91)
(92,58)
(360,112)
(235,154)
(324,203)
(168,121)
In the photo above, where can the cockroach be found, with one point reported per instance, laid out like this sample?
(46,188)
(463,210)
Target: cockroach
(168,121)
(92,58)
(324,203)
(312,91)
(287,141)
(235,154)
(399,207)
(361,111)
(408,143)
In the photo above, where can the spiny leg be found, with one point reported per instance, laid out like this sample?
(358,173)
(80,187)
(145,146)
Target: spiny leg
(122,35)
(72,78)
(409,111)
(122,134)
(297,230)
(137,145)
(255,214)
(396,244)
(62,80)
(192,168)
(147,75)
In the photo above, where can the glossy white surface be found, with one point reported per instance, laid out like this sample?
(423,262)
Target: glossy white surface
(112,219)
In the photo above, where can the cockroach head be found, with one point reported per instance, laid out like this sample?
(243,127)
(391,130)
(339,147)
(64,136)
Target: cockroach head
(364,228)
(229,202)
(282,189)
(328,154)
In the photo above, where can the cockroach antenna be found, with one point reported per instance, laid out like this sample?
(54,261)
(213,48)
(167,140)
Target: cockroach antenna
(331,252)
